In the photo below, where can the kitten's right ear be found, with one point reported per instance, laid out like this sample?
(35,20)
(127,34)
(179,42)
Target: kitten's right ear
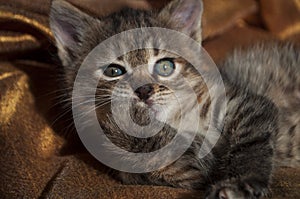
(185,16)
(68,24)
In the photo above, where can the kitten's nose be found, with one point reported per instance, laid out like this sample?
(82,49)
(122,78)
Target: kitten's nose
(144,92)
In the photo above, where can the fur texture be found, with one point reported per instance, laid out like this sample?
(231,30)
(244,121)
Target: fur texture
(262,89)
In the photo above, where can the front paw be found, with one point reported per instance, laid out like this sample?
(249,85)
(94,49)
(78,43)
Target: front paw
(237,189)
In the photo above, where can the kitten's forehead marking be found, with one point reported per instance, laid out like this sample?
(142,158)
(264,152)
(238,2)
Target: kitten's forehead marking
(137,58)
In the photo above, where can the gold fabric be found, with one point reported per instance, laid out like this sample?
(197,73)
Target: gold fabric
(38,158)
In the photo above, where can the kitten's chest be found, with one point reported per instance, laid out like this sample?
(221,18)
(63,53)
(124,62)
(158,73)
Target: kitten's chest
(205,118)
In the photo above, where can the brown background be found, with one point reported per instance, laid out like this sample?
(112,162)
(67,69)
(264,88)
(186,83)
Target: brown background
(39,158)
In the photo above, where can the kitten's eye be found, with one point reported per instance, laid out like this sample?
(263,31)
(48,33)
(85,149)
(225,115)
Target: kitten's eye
(114,70)
(164,67)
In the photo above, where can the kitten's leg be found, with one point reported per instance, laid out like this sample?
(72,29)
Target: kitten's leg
(244,155)
(189,171)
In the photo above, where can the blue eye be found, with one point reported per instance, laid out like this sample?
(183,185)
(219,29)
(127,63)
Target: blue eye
(114,70)
(164,67)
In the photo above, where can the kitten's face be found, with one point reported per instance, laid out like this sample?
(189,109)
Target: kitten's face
(150,79)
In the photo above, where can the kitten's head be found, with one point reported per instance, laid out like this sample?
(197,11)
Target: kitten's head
(154,70)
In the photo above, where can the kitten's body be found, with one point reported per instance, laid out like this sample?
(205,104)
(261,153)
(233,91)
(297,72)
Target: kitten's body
(272,70)
(256,133)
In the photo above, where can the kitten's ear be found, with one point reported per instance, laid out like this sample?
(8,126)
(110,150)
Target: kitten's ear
(68,24)
(185,16)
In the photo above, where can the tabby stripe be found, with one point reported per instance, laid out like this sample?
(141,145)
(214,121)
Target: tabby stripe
(205,108)
(156,52)
(290,146)
(292,131)
(240,105)
(255,142)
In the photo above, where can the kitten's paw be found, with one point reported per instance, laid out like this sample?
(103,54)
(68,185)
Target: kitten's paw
(237,189)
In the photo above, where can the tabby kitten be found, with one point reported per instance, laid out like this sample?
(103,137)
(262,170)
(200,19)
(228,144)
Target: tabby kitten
(261,123)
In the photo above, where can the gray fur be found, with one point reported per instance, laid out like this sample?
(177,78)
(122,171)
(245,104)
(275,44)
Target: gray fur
(273,70)
(262,88)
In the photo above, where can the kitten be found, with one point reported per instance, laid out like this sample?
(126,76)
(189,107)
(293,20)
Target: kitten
(261,126)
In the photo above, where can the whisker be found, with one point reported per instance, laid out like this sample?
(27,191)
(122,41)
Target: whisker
(93,109)
(69,109)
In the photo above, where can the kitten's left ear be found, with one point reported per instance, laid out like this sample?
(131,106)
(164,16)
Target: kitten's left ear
(69,25)
(185,16)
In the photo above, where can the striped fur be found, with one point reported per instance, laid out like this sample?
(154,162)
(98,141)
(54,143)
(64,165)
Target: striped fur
(262,88)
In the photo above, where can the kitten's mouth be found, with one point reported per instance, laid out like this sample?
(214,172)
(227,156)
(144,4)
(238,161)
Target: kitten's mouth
(149,102)
(141,112)
(144,103)
(155,111)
